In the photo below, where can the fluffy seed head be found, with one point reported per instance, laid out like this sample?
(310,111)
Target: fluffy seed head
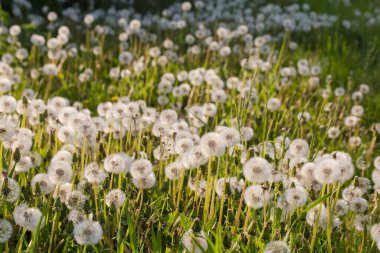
(115,197)
(88,232)
(60,172)
(257,170)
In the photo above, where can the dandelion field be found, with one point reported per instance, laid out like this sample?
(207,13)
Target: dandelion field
(204,126)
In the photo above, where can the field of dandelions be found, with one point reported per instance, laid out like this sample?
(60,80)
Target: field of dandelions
(208,126)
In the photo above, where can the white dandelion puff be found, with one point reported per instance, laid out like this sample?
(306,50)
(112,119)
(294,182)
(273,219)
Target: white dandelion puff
(88,232)
(257,170)
(6,230)
(115,197)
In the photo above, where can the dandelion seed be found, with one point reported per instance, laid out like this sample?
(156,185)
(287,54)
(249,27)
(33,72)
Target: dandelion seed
(44,183)
(327,171)
(361,221)
(358,205)
(273,104)
(299,147)
(276,247)
(117,163)
(375,232)
(60,172)
(194,242)
(174,170)
(115,197)
(6,230)
(88,232)
(257,170)
(296,197)
(10,189)
(26,217)
(76,216)
(231,136)
(319,213)
(146,182)
(94,174)
(256,197)
(212,144)
(141,169)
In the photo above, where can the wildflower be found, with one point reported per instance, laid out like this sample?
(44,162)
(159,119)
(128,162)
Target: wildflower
(10,189)
(62,191)
(146,182)
(317,213)
(75,200)
(141,169)
(50,69)
(351,121)
(273,104)
(376,162)
(327,171)
(169,116)
(352,192)
(88,232)
(375,232)
(359,205)
(7,104)
(24,164)
(212,144)
(354,142)
(94,174)
(63,156)
(276,247)
(184,145)
(197,157)
(341,207)
(174,170)
(231,184)
(299,147)
(117,163)
(6,230)
(257,170)
(361,221)
(76,216)
(230,135)
(246,133)
(26,217)
(60,172)
(255,196)
(333,132)
(115,197)
(357,110)
(44,183)
(194,241)
(296,197)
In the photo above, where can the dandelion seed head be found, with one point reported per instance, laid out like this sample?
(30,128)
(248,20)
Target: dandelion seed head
(194,242)
(6,230)
(257,170)
(277,247)
(94,174)
(327,171)
(27,217)
(88,232)
(141,168)
(256,197)
(115,197)
(296,197)
(146,182)
(358,205)
(44,183)
(212,144)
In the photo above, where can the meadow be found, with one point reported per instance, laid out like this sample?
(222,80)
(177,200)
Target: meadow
(204,126)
